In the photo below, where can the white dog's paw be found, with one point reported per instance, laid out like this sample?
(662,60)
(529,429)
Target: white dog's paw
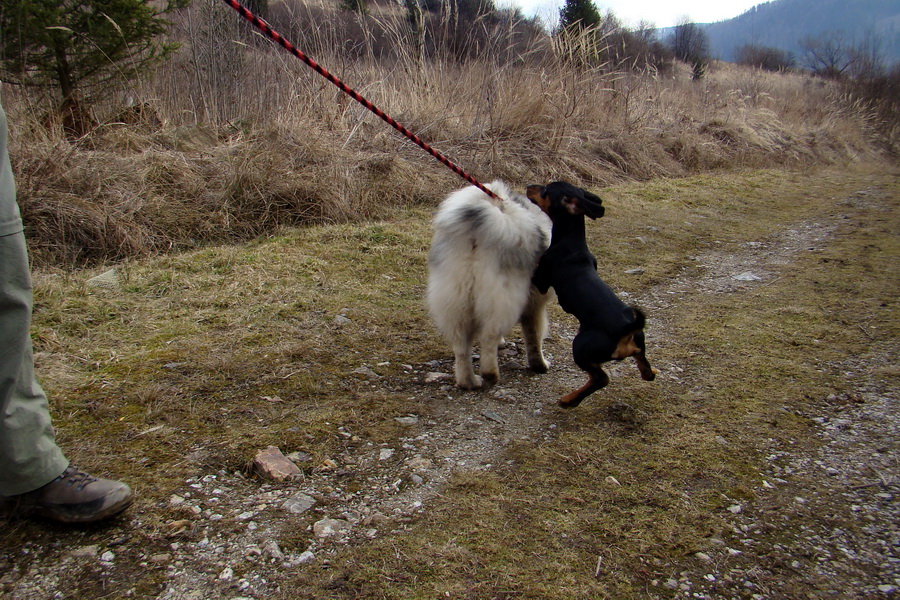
(490,378)
(473,382)
(539,365)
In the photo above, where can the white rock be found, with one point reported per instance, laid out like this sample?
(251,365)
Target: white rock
(85,552)
(746,276)
(298,503)
(436,377)
(108,280)
(271,548)
(327,528)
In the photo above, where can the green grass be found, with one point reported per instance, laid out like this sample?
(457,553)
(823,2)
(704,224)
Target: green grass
(195,341)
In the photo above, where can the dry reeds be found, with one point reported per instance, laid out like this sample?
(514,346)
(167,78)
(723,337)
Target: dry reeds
(235,138)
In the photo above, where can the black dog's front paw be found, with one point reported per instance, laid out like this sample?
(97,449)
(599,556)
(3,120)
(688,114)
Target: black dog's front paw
(649,373)
(570,400)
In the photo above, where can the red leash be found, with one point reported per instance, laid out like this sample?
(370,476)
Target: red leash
(278,39)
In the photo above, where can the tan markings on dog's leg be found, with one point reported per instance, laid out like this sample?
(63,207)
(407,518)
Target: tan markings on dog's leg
(597,379)
(626,347)
(648,373)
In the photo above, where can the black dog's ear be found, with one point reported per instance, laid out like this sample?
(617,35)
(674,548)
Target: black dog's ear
(593,205)
(560,195)
(584,203)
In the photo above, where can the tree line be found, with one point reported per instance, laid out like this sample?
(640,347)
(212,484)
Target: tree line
(74,50)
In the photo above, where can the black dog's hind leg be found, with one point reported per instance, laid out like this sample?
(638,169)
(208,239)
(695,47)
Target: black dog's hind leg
(597,379)
(648,373)
(590,349)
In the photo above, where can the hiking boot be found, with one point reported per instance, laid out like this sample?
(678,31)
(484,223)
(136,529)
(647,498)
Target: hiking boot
(76,497)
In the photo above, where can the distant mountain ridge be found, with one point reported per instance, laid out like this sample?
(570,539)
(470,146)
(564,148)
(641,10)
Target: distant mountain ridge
(783,23)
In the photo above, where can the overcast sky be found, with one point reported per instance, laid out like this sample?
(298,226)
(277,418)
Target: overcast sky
(663,13)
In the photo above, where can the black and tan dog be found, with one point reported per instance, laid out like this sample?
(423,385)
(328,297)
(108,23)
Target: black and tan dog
(609,328)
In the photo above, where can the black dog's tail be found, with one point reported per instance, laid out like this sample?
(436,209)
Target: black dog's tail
(640,320)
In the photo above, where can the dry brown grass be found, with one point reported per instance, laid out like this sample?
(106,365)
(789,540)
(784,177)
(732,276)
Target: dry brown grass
(238,139)
(194,342)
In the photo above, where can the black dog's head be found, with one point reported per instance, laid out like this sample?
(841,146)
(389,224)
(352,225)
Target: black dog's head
(560,197)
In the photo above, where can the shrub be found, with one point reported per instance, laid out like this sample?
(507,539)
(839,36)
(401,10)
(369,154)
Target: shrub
(765,58)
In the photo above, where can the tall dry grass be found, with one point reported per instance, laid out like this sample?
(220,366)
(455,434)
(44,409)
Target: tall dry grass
(234,138)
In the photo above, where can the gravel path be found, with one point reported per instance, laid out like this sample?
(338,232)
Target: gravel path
(822,523)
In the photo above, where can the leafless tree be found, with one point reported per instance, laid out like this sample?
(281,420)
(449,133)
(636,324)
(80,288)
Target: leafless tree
(690,43)
(829,55)
(764,57)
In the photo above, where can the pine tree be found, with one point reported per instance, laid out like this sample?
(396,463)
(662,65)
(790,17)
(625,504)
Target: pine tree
(358,6)
(79,47)
(579,13)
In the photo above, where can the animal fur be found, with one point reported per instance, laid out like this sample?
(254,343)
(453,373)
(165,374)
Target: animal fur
(608,328)
(482,257)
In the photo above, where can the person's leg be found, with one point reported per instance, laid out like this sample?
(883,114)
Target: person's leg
(34,474)
(29,456)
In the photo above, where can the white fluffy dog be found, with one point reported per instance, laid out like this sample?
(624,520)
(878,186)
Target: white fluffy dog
(482,256)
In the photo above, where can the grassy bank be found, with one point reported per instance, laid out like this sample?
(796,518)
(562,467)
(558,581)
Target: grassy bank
(235,143)
(200,358)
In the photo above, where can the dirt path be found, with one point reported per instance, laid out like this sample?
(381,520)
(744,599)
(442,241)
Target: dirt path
(822,523)
(824,520)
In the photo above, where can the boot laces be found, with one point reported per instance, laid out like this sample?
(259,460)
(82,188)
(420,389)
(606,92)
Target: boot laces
(72,476)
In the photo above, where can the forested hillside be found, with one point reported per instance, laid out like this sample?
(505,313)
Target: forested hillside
(784,24)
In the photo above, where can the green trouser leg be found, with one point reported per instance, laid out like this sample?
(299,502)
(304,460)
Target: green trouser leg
(29,456)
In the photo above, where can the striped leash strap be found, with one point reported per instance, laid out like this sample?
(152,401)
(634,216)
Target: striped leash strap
(279,39)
